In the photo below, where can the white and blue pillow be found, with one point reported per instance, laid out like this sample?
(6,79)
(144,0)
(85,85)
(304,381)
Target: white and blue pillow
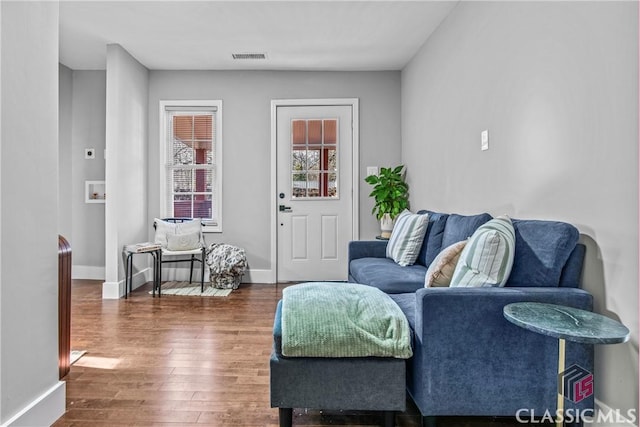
(487,258)
(407,237)
(166,230)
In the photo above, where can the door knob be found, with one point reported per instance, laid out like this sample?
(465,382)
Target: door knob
(284,208)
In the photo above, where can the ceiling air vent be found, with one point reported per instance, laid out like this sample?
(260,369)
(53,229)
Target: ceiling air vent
(249,55)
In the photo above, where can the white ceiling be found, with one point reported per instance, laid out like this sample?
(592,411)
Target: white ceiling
(295,35)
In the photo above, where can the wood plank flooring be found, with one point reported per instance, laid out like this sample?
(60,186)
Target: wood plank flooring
(186,361)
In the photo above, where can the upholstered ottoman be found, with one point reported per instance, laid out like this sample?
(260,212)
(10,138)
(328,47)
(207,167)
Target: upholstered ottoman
(335,383)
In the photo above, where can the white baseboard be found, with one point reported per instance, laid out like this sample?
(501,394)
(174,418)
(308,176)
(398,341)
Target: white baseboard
(259,276)
(112,290)
(115,290)
(43,411)
(182,273)
(87,272)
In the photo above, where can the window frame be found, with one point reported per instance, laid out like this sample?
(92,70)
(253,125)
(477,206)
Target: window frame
(215,224)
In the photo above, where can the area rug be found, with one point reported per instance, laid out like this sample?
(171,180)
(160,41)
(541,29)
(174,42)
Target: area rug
(188,289)
(75,355)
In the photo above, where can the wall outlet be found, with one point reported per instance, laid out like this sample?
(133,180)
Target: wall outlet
(89,153)
(484,140)
(372,170)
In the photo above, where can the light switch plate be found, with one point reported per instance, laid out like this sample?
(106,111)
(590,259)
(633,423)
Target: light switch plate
(484,140)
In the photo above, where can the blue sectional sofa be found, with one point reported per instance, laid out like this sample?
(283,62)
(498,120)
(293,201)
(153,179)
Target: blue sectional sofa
(468,359)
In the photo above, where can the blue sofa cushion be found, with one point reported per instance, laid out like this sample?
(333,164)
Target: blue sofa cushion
(572,271)
(387,276)
(407,303)
(542,250)
(461,227)
(433,238)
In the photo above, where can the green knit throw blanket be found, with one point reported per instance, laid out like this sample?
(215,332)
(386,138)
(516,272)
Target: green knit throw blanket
(322,319)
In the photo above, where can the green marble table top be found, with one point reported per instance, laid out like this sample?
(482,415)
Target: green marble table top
(568,323)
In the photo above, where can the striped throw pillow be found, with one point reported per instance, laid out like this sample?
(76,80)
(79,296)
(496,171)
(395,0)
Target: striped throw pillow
(487,258)
(407,237)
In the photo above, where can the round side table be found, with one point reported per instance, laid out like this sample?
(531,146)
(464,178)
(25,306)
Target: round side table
(565,323)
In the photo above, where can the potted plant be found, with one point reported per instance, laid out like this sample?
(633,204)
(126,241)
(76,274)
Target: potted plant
(391,196)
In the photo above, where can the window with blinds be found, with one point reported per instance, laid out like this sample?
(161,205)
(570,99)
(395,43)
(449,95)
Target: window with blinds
(191,169)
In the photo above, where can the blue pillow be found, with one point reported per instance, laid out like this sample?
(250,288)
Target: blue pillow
(542,250)
(433,237)
(461,227)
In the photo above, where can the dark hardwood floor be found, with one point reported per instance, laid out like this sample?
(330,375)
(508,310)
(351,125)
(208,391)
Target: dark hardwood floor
(187,361)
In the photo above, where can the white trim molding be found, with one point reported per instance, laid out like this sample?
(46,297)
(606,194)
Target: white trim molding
(166,105)
(182,274)
(112,290)
(44,410)
(258,276)
(115,290)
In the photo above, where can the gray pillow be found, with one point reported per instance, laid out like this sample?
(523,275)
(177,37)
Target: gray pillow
(163,229)
(183,242)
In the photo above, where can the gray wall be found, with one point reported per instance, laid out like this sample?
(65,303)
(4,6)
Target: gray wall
(88,131)
(29,209)
(556,84)
(127,157)
(246,131)
(82,98)
(65,103)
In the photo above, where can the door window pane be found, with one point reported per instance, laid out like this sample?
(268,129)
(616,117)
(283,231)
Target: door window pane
(299,185)
(314,167)
(299,132)
(313,160)
(315,132)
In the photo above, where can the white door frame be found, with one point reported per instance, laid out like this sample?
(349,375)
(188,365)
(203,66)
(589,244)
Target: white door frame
(355,200)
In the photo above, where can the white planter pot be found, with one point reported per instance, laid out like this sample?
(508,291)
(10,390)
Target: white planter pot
(386,226)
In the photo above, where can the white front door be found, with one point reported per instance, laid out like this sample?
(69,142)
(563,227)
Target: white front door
(314,191)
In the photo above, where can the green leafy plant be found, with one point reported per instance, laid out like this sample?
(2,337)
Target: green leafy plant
(390,192)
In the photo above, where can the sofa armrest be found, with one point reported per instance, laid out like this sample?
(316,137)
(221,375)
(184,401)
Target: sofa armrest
(367,249)
(462,337)
(436,306)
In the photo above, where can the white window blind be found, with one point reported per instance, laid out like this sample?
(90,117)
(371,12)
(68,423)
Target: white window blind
(192,162)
